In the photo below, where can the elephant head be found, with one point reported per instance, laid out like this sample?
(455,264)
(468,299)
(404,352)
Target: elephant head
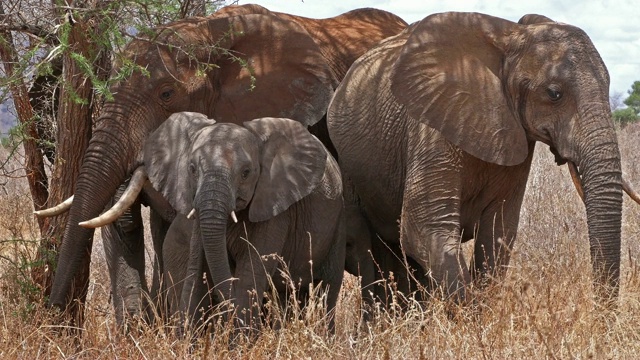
(234,68)
(492,87)
(217,169)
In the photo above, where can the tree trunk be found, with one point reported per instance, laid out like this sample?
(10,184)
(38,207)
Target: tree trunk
(74,132)
(34,169)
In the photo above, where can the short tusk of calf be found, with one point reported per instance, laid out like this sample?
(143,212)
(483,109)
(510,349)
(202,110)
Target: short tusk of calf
(56,210)
(128,197)
(191,213)
(233,217)
(573,170)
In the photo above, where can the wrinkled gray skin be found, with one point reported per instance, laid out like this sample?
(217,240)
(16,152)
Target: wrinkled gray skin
(284,86)
(296,62)
(436,127)
(285,189)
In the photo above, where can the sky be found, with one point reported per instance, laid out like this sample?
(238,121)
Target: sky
(613,26)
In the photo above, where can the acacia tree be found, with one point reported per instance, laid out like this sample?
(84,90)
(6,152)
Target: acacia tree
(64,50)
(631,113)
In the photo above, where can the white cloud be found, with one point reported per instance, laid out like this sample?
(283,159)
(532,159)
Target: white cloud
(612,25)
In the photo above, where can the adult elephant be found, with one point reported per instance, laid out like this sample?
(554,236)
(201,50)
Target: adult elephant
(437,126)
(188,66)
(341,39)
(285,190)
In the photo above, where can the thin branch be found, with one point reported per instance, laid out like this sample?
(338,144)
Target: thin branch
(33,30)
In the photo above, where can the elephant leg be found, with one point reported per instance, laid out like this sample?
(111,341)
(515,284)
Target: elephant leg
(332,270)
(159,229)
(124,250)
(252,270)
(430,223)
(358,258)
(495,237)
(408,276)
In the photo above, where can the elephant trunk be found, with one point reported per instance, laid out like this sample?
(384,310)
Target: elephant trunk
(599,164)
(214,201)
(106,163)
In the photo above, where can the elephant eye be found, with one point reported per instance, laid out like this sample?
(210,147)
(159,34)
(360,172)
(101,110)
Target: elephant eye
(166,95)
(554,94)
(245,174)
(192,168)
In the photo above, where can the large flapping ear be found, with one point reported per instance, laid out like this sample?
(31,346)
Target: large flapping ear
(448,75)
(272,68)
(166,157)
(291,166)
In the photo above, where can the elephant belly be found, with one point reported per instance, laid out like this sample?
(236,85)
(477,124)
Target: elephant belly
(313,232)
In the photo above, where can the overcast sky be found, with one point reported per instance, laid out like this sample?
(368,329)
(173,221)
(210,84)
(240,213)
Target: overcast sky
(613,26)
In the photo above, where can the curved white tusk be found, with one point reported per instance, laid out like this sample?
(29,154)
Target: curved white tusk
(128,197)
(233,217)
(573,170)
(191,213)
(56,210)
(626,186)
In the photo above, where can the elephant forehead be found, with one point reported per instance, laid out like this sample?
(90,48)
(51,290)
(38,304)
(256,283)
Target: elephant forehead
(225,141)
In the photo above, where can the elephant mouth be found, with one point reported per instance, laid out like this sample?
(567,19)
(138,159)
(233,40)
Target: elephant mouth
(241,204)
(558,159)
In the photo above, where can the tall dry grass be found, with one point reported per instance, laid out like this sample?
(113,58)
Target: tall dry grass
(544,307)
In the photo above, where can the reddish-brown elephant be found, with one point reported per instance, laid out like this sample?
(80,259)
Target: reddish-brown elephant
(241,63)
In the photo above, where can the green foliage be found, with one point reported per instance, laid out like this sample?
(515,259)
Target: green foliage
(13,137)
(625,116)
(631,113)
(633,101)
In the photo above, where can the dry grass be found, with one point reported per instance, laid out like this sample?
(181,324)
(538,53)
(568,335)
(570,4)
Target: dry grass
(542,309)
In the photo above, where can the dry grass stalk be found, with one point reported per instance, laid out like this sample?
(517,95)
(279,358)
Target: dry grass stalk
(543,308)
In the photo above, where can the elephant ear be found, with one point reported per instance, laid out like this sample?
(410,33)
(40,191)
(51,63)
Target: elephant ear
(272,68)
(166,157)
(449,76)
(291,166)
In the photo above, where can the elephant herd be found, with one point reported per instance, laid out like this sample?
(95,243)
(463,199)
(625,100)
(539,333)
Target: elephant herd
(266,143)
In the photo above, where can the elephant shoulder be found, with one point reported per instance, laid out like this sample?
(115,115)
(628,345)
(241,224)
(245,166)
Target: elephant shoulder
(369,71)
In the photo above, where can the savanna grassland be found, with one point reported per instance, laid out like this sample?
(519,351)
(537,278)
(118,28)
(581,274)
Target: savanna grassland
(544,307)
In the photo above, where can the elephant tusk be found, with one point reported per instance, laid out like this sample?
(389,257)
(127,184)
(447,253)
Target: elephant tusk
(626,186)
(573,170)
(128,197)
(233,217)
(56,210)
(191,213)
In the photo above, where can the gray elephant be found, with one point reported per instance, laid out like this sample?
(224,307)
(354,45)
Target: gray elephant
(271,176)
(436,127)
(292,66)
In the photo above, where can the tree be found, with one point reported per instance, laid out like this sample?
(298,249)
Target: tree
(633,101)
(631,113)
(616,100)
(35,39)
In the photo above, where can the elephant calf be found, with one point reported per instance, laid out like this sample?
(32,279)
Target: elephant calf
(280,187)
